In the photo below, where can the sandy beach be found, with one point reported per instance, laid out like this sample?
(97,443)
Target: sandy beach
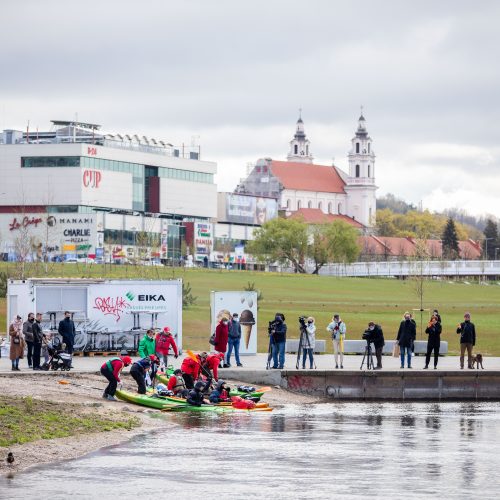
(85,390)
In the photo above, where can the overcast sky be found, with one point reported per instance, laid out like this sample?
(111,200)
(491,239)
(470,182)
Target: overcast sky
(235,73)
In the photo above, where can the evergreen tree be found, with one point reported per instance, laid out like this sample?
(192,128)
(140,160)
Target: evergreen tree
(450,241)
(490,239)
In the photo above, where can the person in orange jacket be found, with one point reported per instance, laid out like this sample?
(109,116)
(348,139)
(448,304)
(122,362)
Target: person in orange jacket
(111,369)
(163,342)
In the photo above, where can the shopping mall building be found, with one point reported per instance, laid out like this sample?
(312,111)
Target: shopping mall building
(74,192)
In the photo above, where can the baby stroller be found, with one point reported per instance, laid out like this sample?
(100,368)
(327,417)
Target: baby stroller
(58,358)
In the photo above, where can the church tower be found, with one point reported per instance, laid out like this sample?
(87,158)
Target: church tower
(360,187)
(299,145)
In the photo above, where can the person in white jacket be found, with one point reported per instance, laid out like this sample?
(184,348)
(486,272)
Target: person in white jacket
(309,343)
(337,329)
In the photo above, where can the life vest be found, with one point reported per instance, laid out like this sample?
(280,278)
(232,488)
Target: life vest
(179,384)
(109,363)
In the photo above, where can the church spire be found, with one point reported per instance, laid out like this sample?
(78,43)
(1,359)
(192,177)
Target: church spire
(299,145)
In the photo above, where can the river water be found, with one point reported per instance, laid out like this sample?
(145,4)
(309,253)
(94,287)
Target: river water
(346,450)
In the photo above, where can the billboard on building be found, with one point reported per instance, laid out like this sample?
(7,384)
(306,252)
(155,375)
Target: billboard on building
(243,303)
(203,241)
(243,209)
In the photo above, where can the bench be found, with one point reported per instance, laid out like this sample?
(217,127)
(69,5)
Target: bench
(292,346)
(358,346)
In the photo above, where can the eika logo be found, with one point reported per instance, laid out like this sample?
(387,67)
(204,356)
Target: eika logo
(151,298)
(130,296)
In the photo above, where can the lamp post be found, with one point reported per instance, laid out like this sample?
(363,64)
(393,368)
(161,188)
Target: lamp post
(485,256)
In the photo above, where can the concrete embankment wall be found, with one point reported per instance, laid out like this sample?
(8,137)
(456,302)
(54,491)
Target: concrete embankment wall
(380,385)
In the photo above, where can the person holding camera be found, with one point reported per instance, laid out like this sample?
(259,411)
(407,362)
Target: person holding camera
(374,335)
(277,334)
(434,340)
(407,334)
(337,329)
(309,342)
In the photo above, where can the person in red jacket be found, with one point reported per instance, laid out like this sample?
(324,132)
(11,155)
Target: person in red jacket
(177,384)
(211,364)
(111,370)
(221,336)
(163,341)
(191,369)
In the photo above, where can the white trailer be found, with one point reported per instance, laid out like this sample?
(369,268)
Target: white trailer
(109,314)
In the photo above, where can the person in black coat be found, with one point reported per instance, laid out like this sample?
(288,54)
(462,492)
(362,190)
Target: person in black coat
(375,335)
(407,334)
(37,341)
(278,341)
(467,332)
(67,331)
(434,341)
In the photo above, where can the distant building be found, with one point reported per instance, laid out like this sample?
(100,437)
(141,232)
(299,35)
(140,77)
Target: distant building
(299,184)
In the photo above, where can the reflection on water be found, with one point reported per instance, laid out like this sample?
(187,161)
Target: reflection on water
(345,450)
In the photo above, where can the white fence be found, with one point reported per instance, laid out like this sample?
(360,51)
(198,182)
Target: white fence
(412,268)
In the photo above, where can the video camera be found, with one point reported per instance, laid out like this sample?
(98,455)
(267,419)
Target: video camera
(302,321)
(368,336)
(272,326)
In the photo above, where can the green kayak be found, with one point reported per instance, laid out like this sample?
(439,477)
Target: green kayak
(144,400)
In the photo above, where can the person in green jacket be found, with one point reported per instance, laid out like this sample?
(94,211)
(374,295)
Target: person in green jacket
(147,344)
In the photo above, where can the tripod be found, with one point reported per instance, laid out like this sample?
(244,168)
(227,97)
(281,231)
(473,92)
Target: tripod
(304,343)
(368,356)
(269,351)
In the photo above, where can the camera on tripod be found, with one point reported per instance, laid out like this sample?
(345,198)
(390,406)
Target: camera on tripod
(302,321)
(367,336)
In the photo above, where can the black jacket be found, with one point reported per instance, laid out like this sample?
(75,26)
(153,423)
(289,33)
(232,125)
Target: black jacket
(467,332)
(28,331)
(278,334)
(434,333)
(37,332)
(67,330)
(407,333)
(195,397)
(376,336)
(234,330)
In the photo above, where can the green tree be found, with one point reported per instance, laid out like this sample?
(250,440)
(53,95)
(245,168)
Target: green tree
(490,241)
(334,242)
(450,241)
(281,240)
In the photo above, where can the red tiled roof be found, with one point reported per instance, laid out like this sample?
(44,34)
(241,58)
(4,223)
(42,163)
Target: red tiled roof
(316,216)
(307,176)
(395,247)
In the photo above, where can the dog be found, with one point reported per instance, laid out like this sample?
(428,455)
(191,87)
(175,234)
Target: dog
(477,360)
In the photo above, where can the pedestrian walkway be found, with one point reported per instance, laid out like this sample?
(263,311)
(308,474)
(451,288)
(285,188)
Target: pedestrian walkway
(259,362)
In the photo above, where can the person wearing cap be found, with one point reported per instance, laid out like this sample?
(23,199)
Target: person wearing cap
(376,336)
(140,369)
(407,334)
(233,340)
(177,384)
(338,330)
(467,332)
(111,369)
(309,343)
(147,345)
(164,340)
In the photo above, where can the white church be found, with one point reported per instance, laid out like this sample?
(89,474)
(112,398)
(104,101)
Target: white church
(319,193)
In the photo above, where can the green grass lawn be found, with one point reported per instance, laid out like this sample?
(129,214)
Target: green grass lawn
(357,300)
(23,420)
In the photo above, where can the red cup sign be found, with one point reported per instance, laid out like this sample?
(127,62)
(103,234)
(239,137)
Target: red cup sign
(92,178)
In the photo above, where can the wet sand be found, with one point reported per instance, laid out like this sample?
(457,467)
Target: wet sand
(47,387)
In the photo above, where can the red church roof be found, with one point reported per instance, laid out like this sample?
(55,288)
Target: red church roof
(316,216)
(307,176)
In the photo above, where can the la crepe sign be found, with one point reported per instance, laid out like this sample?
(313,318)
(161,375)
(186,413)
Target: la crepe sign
(26,221)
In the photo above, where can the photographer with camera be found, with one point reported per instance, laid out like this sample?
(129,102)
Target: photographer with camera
(374,335)
(307,341)
(337,329)
(277,341)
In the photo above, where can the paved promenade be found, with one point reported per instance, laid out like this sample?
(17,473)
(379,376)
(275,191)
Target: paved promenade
(258,363)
